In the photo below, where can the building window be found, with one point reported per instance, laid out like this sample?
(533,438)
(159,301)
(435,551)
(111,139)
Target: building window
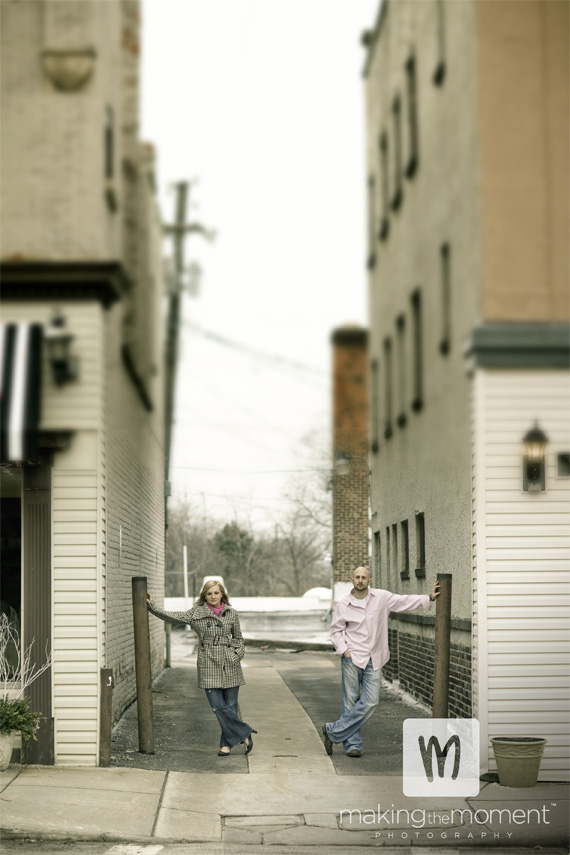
(374,426)
(397,119)
(413,139)
(445,261)
(405,571)
(417,400)
(109,143)
(395,550)
(109,156)
(563,464)
(384,169)
(401,339)
(439,71)
(371,221)
(388,556)
(377,559)
(388,387)
(420,546)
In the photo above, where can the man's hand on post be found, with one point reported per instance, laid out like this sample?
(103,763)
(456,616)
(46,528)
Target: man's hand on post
(436,592)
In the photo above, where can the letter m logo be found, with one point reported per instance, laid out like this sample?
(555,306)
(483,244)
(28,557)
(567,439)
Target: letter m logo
(427,744)
(441,755)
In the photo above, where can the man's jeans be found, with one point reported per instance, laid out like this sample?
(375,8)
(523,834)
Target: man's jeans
(355,710)
(224,702)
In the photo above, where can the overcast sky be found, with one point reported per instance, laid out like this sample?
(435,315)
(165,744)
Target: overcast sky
(262,102)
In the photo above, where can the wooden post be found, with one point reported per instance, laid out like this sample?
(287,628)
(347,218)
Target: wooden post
(142,666)
(106,719)
(442,647)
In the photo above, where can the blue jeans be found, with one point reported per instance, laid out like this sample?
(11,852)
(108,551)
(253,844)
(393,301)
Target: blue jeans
(224,703)
(355,710)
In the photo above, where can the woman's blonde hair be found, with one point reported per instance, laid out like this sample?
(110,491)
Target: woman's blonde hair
(210,584)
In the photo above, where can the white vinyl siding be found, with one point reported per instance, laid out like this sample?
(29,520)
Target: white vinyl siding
(76,524)
(75,615)
(522,588)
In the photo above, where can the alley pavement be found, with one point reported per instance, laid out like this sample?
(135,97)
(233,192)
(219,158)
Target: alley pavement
(286,793)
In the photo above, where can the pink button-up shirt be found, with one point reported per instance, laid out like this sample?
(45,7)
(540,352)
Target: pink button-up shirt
(361,626)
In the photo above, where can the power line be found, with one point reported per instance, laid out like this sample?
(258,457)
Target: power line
(238,345)
(274,360)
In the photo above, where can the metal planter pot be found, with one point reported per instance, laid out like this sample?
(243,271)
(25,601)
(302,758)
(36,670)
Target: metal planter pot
(518,759)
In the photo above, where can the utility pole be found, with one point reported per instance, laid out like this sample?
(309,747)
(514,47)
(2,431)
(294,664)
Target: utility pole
(179,230)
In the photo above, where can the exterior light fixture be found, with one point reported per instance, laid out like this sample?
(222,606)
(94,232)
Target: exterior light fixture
(535,441)
(58,339)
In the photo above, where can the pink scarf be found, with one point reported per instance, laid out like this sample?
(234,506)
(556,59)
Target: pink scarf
(216,609)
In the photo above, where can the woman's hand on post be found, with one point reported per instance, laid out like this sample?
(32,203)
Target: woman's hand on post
(148,597)
(436,592)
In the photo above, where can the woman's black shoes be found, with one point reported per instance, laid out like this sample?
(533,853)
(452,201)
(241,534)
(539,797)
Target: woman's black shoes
(249,745)
(224,753)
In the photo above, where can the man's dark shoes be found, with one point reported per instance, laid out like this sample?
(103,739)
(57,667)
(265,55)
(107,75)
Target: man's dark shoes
(327,740)
(354,752)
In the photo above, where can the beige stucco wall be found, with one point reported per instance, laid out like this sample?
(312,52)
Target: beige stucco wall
(55,205)
(524,126)
(54,202)
(413,469)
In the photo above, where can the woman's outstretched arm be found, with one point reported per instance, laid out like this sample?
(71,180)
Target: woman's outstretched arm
(169,617)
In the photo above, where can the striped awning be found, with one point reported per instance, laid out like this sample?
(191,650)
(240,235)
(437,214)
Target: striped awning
(20,390)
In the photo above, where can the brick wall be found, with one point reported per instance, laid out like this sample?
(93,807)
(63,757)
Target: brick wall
(412,662)
(134,516)
(350,433)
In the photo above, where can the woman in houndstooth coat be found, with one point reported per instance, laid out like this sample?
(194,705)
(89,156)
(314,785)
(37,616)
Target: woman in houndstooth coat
(220,650)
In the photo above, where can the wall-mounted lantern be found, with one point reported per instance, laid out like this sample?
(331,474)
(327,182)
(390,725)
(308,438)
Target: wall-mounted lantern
(535,441)
(58,339)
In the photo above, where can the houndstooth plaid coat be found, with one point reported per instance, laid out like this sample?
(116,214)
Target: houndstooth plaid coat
(221,645)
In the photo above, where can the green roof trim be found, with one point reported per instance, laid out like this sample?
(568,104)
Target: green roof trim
(520,345)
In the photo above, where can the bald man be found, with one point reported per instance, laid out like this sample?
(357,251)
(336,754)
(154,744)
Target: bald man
(359,632)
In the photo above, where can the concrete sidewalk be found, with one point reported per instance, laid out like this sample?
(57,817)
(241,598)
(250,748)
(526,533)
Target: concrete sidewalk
(287,791)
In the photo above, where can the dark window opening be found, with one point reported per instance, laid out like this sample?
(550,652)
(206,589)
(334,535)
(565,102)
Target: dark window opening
(388,387)
(397,119)
(371,222)
(11,568)
(395,549)
(563,464)
(401,333)
(420,546)
(445,263)
(377,559)
(374,427)
(417,400)
(405,571)
(109,143)
(440,69)
(413,154)
(384,169)
(388,556)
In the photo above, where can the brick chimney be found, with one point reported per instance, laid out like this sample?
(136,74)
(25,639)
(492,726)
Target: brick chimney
(350,434)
